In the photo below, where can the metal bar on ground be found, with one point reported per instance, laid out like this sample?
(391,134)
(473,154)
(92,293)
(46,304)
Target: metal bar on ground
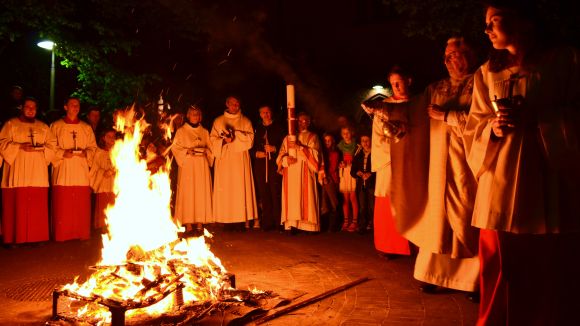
(306,302)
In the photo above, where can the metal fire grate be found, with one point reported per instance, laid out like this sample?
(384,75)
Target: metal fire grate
(37,290)
(116,308)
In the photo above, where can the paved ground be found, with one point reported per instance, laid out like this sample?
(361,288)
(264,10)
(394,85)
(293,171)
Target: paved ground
(266,260)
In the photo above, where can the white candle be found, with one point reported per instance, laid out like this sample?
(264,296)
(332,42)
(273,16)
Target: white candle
(290,96)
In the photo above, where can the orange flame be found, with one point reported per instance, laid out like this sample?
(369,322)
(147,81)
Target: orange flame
(142,256)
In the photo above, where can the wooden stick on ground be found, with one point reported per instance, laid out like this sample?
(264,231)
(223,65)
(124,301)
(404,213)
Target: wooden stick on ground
(306,302)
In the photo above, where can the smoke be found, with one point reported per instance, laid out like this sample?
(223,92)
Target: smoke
(306,84)
(233,28)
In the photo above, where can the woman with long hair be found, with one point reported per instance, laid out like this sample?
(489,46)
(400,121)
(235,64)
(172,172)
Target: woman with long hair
(522,140)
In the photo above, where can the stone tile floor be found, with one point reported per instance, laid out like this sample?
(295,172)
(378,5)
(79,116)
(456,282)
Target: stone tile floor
(268,261)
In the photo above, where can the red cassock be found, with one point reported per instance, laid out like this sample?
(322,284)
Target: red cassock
(387,239)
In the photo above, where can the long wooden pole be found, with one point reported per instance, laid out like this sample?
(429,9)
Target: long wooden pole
(308,301)
(267,158)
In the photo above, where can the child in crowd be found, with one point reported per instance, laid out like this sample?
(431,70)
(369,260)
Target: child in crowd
(329,181)
(102,178)
(365,183)
(193,204)
(347,147)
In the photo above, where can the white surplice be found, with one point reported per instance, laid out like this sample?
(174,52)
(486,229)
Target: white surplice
(234,197)
(194,191)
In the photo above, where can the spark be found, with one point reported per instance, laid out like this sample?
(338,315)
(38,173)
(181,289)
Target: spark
(222,62)
(174,65)
(188,76)
(230,52)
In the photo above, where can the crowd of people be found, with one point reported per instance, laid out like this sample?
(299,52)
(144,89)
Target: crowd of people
(477,175)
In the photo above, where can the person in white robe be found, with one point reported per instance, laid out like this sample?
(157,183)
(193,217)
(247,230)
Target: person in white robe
(27,146)
(102,177)
(447,242)
(522,136)
(300,161)
(193,205)
(71,192)
(400,149)
(231,137)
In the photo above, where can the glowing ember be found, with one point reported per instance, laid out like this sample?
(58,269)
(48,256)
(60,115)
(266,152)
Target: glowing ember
(143,260)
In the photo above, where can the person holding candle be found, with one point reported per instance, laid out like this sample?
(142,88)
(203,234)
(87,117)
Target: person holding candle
(71,192)
(299,161)
(27,146)
(522,137)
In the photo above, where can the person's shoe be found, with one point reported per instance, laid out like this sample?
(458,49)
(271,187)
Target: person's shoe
(473,296)
(256,224)
(247,224)
(427,288)
(386,256)
(292,232)
(344,226)
(369,227)
(352,227)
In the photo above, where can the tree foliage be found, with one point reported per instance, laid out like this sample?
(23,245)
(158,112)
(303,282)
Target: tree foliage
(102,39)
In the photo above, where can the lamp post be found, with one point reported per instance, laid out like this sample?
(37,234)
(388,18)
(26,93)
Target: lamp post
(49,45)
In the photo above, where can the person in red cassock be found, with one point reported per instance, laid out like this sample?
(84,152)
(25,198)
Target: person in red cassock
(400,157)
(71,193)
(27,146)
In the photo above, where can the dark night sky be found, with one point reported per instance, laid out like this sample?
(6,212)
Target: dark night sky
(334,55)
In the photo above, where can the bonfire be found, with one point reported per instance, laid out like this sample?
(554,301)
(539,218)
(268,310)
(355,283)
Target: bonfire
(143,259)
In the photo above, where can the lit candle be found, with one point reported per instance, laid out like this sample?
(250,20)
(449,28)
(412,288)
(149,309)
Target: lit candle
(290,96)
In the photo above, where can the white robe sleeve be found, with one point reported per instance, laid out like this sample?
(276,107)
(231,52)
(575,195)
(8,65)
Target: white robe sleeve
(216,142)
(478,132)
(179,148)
(8,148)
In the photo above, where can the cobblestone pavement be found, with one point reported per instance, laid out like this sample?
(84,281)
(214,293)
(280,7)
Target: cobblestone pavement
(265,260)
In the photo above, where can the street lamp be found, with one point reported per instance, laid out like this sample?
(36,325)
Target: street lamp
(49,45)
